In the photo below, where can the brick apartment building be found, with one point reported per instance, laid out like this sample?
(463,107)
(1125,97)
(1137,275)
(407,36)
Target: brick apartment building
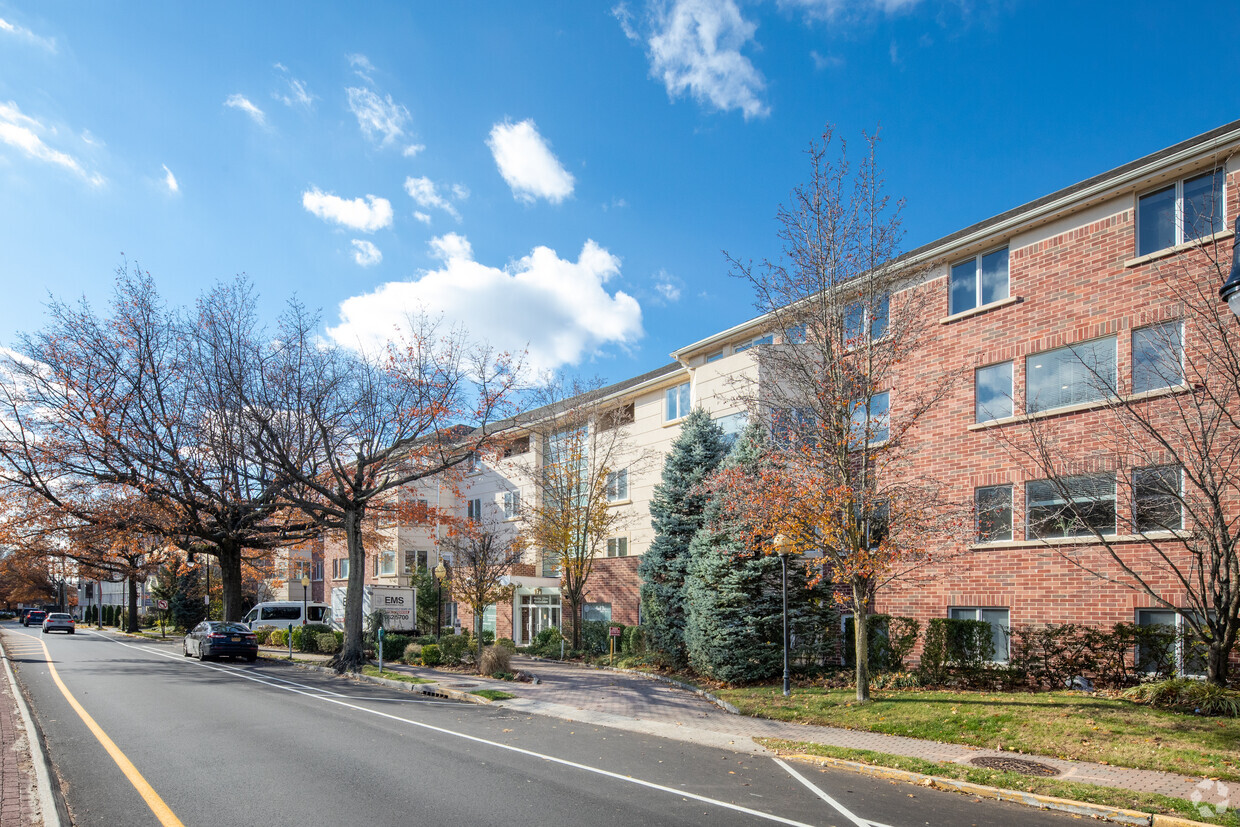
(1020,297)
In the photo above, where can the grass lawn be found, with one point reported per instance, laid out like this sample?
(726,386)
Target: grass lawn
(493,694)
(1106,796)
(373,671)
(1057,724)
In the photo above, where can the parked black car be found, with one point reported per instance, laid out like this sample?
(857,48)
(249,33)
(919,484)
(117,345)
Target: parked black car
(215,638)
(35,616)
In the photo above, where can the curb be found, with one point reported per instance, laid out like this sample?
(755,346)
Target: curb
(701,693)
(1117,815)
(49,801)
(432,689)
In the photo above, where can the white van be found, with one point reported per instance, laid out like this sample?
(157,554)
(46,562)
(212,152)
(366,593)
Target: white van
(285,613)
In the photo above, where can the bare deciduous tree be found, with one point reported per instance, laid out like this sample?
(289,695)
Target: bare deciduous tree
(483,555)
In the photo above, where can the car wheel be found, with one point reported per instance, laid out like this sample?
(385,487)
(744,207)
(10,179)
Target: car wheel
(70,631)
(251,658)
(201,656)
(185,649)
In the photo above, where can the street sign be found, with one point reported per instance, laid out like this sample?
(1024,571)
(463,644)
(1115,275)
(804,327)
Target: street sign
(614,631)
(161,604)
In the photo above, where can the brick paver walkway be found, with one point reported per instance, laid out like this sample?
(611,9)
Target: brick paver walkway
(19,806)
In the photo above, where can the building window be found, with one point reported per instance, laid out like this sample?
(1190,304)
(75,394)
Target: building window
(596,611)
(316,570)
(550,564)
(999,624)
(979,281)
(1070,507)
(618,485)
(994,513)
(518,446)
(863,315)
(1157,357)
(992,392)
(761,340)
(618,547)
(618,417)
(1185,653)
(677,402)
(474,510)
(387,564)
(512,505)
(732,425)
(471,462)
(488,619)
(1156,495)
(1184,211)
(874,420)
(1083,372)
(714,357)
(340,568)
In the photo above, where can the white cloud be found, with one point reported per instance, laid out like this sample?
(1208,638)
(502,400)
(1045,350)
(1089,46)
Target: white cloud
(365,253)
(24,133)
(421,216)
(837,9)
(527,164)
(460,192)
(378,116)
(364,215)
(424,192)
(559,309)
(27,35)
(243,103)
(297,94)
(362,67)
(825,61)
(696,47)
(667,286)
(170,180)
(412,149)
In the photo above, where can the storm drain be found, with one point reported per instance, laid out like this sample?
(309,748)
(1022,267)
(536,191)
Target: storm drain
(1019,765)
(462,685)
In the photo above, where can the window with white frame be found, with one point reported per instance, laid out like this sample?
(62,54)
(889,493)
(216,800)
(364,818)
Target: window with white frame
(1157,357)
(1185,652)
(992,392)
(596,611)
(979,281)
(1180,212)
(864,316)
(316,570)
(1084,372)
(732,424)
(761,340)
(488,619)
(340,568)
(512,505)
(994,513)
(550,564)
(1070,506)
(714,357)
(999,620)
(474,510)
(1156,498)
(617,546)
(618,485)
(387,564)
(677,402)
(873,419)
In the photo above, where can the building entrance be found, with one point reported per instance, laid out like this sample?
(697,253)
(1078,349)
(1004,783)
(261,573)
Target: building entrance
(538,612)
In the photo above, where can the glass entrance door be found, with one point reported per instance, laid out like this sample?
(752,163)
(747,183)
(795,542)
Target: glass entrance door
(538,612)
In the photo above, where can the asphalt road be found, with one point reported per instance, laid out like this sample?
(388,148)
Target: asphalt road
(268,744)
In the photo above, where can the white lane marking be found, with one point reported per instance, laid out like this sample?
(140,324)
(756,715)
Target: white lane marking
(844,811)
(474,738)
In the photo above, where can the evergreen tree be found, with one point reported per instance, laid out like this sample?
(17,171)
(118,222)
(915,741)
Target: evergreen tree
(734,604)
(676,513)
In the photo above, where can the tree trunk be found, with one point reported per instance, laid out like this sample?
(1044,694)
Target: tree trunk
(478,635)
(861,637)
(1218,656)
(131,623)
(229,555)
(352,656)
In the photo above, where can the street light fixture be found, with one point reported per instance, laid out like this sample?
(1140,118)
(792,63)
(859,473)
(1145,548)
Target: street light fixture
(783,547)
(1230,291)
(440,574)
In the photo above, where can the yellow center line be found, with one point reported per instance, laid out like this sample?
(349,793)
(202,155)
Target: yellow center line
(161,810)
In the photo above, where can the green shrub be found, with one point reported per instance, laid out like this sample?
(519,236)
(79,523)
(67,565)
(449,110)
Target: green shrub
(488,637)
(495,659)
(278,637)
(394,646)
(633,641)
(507,643)
(412,654)
(956,648)
(1188,696)
(889,642)
(263,634)
(453,648)
(425,639)
(595,635)
(305,638)
(431,655)
(326,643)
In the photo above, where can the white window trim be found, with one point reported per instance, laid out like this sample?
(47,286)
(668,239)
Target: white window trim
(1007,630)
(680,415)
(1178,220)
(977,284)
(628,491)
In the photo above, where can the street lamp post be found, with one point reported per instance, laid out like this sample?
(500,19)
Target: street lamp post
(783,547)
(305,585)
(1230,291)
(440,574)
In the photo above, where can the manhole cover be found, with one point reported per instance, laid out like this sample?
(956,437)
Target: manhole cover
(1014,765)
(462,685)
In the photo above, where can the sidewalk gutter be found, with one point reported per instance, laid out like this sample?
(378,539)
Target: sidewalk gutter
(1117,815)
(432,689)
(49,801)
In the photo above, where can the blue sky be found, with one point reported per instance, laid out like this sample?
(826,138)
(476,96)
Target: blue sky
(562,175)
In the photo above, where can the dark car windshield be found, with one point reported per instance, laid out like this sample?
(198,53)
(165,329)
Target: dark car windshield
(231,628)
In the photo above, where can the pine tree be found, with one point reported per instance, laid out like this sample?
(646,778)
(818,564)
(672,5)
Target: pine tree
(734,605)
(676,513)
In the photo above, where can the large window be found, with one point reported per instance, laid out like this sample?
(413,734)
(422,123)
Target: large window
(1181,212)
(596,611)
(1083,372)
(618,485)
(994,513)
(992,392)
(874,418)
(761,340)
(677,402)
(1156,499)
(862,316)
(1157,357)
(999,624)
(512,505)
(732,424)
(386,564)
(488,619)
(340,568)
(1185,652)
(474,510)
(1070,507)
(979,281)
(618,547)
